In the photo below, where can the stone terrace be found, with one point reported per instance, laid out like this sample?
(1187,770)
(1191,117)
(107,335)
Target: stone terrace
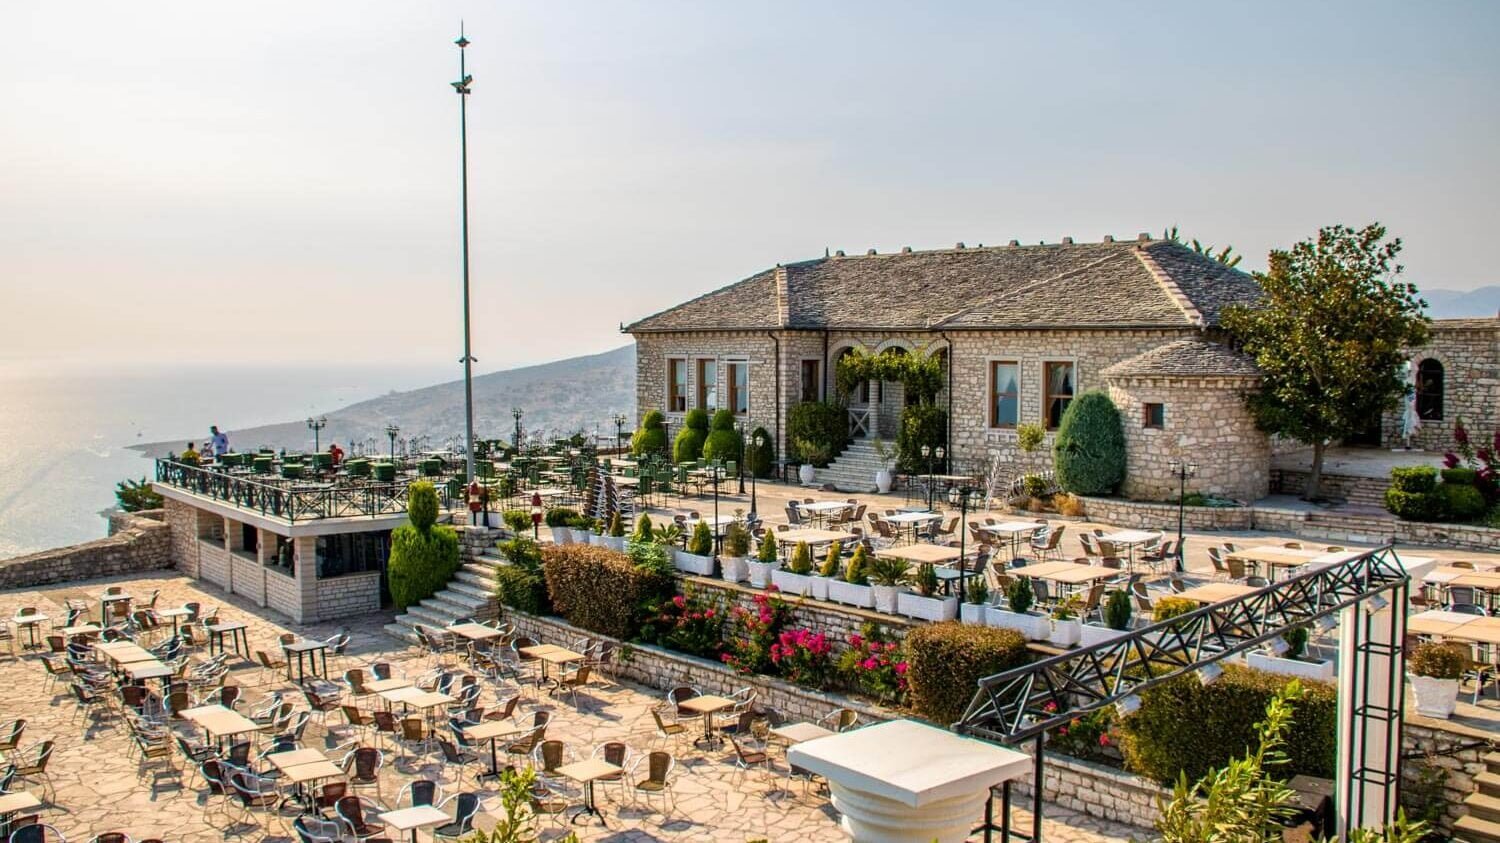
(98,788)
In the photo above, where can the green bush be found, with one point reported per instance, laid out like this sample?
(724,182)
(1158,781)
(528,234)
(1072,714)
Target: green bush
(1413,506)
(945,662)
(599,589)
(1416,478)
(560,516)
(1438,661)
(921,424)
(736,540)
(1018,595)
(1117,610)
(651,436)
(1170,607)
(856,572)
(1088,453)
(1459,476)
(801,560)
(424,555)
(616,526)
(137,495)
(1460,502)
(520,585)
(643,531)
(518,520)
(821,423)
(702,542)
(830,566)
(723,442)
(688,445)
(767,554)
(1161,740)
(761,461)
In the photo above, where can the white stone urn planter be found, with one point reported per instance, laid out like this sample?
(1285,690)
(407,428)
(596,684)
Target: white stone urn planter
(1321,671)
(818,587)
(733,568)
(692,563)
(760,572)
(1065,633)
(562,535)
(1034,627)
(1091,634)
(884,480)
(934,609)
(850,594)
(1435,697)
(806,474)
(973,613)
(799,585)
(885,598)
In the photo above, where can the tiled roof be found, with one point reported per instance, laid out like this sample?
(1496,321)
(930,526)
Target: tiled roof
(1186,359)
(1148,284)
(1466,324)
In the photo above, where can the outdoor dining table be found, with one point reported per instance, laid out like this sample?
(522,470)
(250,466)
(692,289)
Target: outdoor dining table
(154,669)
(399,694)
(1068,573)
(812,537)
(125,652)
(176,615)
(218,722)
(627,482)
(1476,628)
(302,766)
(1015,529)
(795,733)
(1215,592)
(413,818)
(30,623)
(909,520)
(558,656)
(236,630)
(586,773)
(1274,556)
(715,524)
(1130,540)
(491,730)
(822,509)
(475,631)
(14,803)
(86,630)
(935,554)
(305,649)
(377,686)
(707,705)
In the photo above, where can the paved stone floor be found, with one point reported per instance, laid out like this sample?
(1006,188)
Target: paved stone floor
(98,788)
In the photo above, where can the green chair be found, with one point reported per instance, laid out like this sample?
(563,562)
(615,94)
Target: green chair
(385,472)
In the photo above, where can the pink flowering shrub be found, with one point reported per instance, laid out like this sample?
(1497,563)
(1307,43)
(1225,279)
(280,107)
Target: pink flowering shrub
(687,623)
(803,657)
(875,665)
(1483,461)
(756,630)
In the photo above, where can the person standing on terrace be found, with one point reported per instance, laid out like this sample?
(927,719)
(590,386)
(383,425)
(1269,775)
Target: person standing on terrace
(220,442)
(337,453)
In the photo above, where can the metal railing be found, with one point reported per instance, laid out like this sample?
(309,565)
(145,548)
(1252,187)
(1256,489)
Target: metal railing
(292,500)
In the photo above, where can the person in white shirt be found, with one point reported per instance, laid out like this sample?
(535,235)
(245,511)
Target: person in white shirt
(221,441)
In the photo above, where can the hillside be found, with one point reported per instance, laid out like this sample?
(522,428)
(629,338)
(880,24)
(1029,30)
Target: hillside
(563,397)
(1454,304)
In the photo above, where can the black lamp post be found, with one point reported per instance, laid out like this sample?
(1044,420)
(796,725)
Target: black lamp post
(391,430)
(666,432)
(717,471)
(1183,469)
(461,87)
(619,432)
(963,532)
(760,442)
(516,412)
(316,426)
(740,466)
(928,454)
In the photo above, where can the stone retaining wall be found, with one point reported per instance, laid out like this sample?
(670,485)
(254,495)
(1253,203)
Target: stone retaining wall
(1362,490)
(349,595)
(1456,749)
(1163,516)
(137,542)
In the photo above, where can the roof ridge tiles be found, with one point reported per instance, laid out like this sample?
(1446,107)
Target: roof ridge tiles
(1174,292)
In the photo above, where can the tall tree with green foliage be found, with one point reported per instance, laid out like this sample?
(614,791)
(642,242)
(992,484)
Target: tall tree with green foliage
(424,554)
(137,495)
(1330,337)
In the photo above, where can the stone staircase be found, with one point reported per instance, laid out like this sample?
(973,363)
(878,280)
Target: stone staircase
(470,593)
(1482,824)
(854,470)
(1355,523)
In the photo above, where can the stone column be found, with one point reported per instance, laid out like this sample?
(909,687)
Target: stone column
(305,550)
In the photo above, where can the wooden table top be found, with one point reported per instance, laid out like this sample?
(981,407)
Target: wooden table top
(706,704)
(324,769)
(799,732)
(292,758)
(1130,536)
(148,670)
(824,506)
(220,721)
(405,693)
(1042,569)
(1446,575)
(491,729)
(226,626)
(587,771)
(81,629)
(20,800)
(1012,527)
(305,646)
(377,686)
(934,553)
(1215,592)
(1275,555)
(813,536)
(429,699)
(559,655)
(1076,574)
(125,652)
(912,517)
(475,631)
(536,650)
(419,816)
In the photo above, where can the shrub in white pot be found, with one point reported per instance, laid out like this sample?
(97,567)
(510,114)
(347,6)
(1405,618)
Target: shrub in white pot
(1117,612)
(732,564)
(614,539)
(1017,613)
(1435,673)
(763,565)
(1293,662)
(560,520)
(699,556)
(827,572)
(887,576)
(584,529)
(887,456)
(1066,628)
(924,603)
(796,577)
(976,600)
(853,589)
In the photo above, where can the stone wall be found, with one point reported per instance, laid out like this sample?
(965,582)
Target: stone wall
(183,520)
(248,578)
(138,542)
(213,564)
(1205,422)
(1369,491)
(1160,516)
(1456,749)
(836,621)
(1469,350)
(282,593)
(349,596)
(653,350)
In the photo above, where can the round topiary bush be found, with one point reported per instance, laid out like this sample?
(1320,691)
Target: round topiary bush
(723,441)
(945,662)
(1088,454)
(761,461)
(688,445)
(1460,502)
(651,436)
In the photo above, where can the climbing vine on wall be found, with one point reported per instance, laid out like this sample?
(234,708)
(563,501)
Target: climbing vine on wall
(921,376)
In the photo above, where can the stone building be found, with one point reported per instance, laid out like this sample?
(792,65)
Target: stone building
(1457,374)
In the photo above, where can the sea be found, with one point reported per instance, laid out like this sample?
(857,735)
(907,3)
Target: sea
(65,434)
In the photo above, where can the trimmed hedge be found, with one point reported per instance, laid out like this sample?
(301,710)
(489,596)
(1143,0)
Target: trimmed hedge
(723,443)
(1088,453)
(1186,727)
(1417,478)
(1460,502)
(600,589)
(520,585)
(761,461)
(424,555)
(818,422)
(945,662)
(688,445)
(651,436)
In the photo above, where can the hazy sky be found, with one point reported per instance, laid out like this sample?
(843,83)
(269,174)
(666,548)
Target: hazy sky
(278,181)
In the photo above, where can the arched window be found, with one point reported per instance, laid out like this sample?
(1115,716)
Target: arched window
(1430,390)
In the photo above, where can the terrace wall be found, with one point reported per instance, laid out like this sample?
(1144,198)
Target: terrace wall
(137,542)
(282,593)
(349,595)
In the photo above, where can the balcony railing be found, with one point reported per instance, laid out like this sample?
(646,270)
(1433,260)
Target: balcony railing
(290,500)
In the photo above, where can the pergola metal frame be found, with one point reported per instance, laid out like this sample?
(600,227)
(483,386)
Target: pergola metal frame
(1012,707)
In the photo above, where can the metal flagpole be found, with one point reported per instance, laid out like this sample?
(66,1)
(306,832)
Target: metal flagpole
(462,87)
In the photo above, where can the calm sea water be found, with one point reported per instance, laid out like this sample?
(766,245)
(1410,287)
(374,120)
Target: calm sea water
(65,437)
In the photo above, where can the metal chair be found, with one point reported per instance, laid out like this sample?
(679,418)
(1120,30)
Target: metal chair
(463,816)
(658,781)
(351,812)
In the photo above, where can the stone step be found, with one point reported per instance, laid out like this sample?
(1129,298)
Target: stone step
(401,631)
(458,602)
(480,591)
(1488,784)
(1482,806)
(482,582)
(1492,761)
(428,616)
(1476,830)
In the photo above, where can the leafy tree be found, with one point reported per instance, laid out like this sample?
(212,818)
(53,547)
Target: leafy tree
(689,443)
(1329,337)
(1089,449)
(137,495)
(424,554)
(761,461)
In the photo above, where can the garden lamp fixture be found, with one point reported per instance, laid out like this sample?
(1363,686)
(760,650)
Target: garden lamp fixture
(619,431)
(1183,469)
(740,466)
(1127,706)
(760,442)
(391,430)
(461,87)
(316,425)
(517,414)
(1210,673)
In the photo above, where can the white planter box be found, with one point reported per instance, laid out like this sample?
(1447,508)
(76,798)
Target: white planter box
(885,598)
(611,542)
(972,613)
(1321,671)
(1089,634)
(692,563)
(795,584)
(584,537)
(818,587)
(760,572)
(933,609)
(1065,633)
(733,569)
(1435,697)
(1034,627)
(562,535)
(862,596)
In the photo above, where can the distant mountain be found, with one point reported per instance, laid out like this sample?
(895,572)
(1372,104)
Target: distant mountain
(561,397)
(1456,304)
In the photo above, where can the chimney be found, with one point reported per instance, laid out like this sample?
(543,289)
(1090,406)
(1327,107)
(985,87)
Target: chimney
(1067,241)
(1109,238)
(1143,237)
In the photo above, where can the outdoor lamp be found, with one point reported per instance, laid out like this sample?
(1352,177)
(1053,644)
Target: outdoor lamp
(926,452)
(1376,604)
(1326,624)
(1277,646)
(939,452)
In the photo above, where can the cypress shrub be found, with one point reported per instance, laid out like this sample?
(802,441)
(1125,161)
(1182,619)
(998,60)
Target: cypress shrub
(689,443)
(651,436)
(424,554)
(599,589)
(1162,740)
(1089,450)
(945,662)
(723,443)
(820,423)
(702,541)
(761,461)
(1414,494)
(921,424)
(1459,476)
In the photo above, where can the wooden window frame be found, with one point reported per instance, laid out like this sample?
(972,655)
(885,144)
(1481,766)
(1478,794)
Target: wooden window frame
(673,396)
(1047,394)
(732,391)
(994,413)
(817,379)
(704,386)
(1147,423)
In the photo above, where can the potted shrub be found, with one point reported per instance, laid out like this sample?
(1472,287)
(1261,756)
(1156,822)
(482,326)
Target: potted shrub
(762,566)
(583,528)
(887,456)
(796,577)
(827,572)
(978,598)
(1017,613)
(732,565)
(699,556)
(887,575)
(812,454)
(614,537)
(1065,625)
(854,588)
(560,519)
(1435,672)
(925,603)
(1293,661)
(1117,612)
